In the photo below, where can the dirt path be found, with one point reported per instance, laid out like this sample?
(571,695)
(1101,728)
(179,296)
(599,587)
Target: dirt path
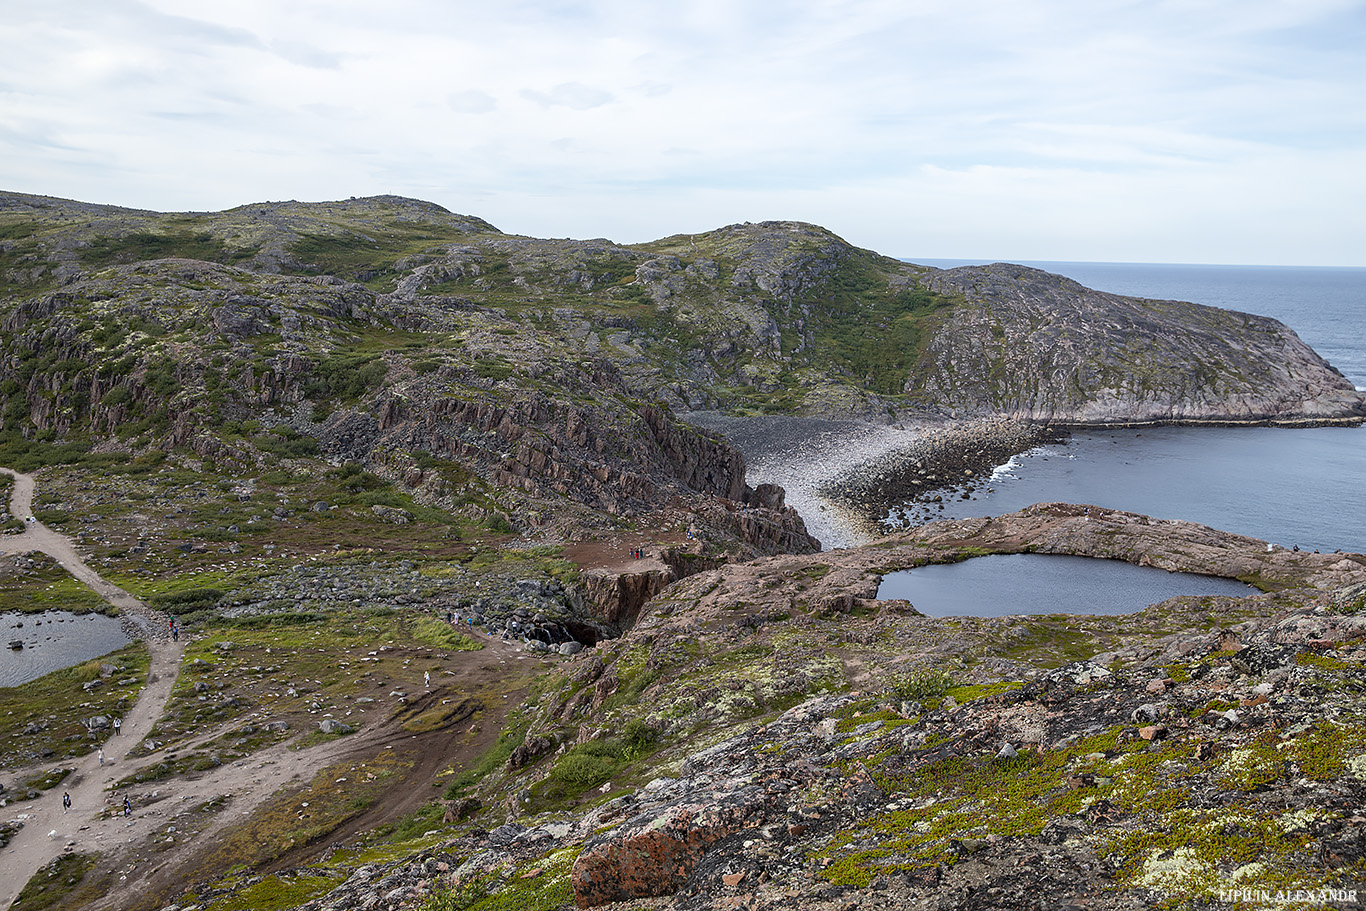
(614,553)
(47,827)
(159,847)
(37,536)
(151,866)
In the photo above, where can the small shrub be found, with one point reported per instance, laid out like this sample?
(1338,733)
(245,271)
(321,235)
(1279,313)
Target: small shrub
(921,685)
(639,737)
(585,766)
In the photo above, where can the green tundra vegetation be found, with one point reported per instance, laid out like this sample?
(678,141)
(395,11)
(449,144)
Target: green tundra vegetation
(312,431)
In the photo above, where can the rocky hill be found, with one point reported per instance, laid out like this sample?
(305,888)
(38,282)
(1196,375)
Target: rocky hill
(229,337)
(389,464)
(772,735)
(774,317)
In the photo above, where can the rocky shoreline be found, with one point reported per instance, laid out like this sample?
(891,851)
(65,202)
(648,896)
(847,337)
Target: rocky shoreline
(960,454)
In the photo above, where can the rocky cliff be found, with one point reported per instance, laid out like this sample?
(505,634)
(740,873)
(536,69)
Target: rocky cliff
(778,317)
(1040,347)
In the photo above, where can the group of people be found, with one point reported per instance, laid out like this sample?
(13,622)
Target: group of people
(127,804)
(637,553)
(175,629)
(454,618)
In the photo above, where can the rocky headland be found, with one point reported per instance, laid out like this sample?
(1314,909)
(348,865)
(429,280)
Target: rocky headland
(490,625)
(1042,348)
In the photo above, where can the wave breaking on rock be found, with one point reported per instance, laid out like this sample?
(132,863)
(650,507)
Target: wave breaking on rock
(939,457)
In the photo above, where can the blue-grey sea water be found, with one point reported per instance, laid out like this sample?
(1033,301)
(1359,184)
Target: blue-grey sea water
(1301,487)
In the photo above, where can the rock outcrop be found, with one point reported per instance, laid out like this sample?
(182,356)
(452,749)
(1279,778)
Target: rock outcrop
(1034,346)
(844,580)
(1086,786)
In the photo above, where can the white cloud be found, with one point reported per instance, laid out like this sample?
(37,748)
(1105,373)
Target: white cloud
(1227,130)
(471,101)
(574,95)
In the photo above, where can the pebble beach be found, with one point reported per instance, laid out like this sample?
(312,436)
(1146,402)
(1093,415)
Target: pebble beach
(844,476)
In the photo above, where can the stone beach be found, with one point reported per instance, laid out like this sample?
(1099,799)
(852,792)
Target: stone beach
(957,455)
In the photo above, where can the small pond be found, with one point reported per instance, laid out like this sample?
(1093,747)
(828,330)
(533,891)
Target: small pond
(53,640)
(1003,584)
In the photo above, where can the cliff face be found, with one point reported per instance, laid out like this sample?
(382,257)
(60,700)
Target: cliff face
(1035,346)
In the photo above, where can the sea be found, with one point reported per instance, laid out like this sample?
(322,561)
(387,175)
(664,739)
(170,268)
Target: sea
(1303,487)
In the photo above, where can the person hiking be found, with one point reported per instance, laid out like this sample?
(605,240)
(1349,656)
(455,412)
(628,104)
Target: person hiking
(118,724)
(66,801)
(127,806)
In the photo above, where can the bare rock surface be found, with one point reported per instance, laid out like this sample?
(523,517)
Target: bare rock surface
(955,770)
(1035,346)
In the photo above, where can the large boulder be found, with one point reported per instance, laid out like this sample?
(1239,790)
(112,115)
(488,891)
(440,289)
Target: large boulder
(333,726)
(654,853)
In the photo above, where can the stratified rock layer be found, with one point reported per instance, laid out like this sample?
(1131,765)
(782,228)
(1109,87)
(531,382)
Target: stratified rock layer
(1035,346)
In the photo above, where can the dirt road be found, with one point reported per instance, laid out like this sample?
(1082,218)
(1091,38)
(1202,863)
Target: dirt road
(158,848)
(38,537)
(48,830)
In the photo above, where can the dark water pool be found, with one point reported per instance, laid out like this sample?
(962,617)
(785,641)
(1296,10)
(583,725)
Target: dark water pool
(1003,584)
(53,640)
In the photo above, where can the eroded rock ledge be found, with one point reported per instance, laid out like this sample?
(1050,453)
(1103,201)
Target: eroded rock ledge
(849,578)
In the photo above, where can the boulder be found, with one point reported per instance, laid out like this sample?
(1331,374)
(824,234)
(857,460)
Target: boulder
(333,726)
(531,750)
(392,515)
(653,854)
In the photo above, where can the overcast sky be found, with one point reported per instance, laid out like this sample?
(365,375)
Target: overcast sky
(1228,131)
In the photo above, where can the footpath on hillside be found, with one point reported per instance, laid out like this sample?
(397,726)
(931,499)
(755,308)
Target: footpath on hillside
(48,828)
(137,844)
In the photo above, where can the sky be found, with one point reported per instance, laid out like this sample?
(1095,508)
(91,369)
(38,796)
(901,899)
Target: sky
(1215,131)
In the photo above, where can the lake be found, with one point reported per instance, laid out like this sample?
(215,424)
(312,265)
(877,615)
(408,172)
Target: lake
(1002,585)
(54,640)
